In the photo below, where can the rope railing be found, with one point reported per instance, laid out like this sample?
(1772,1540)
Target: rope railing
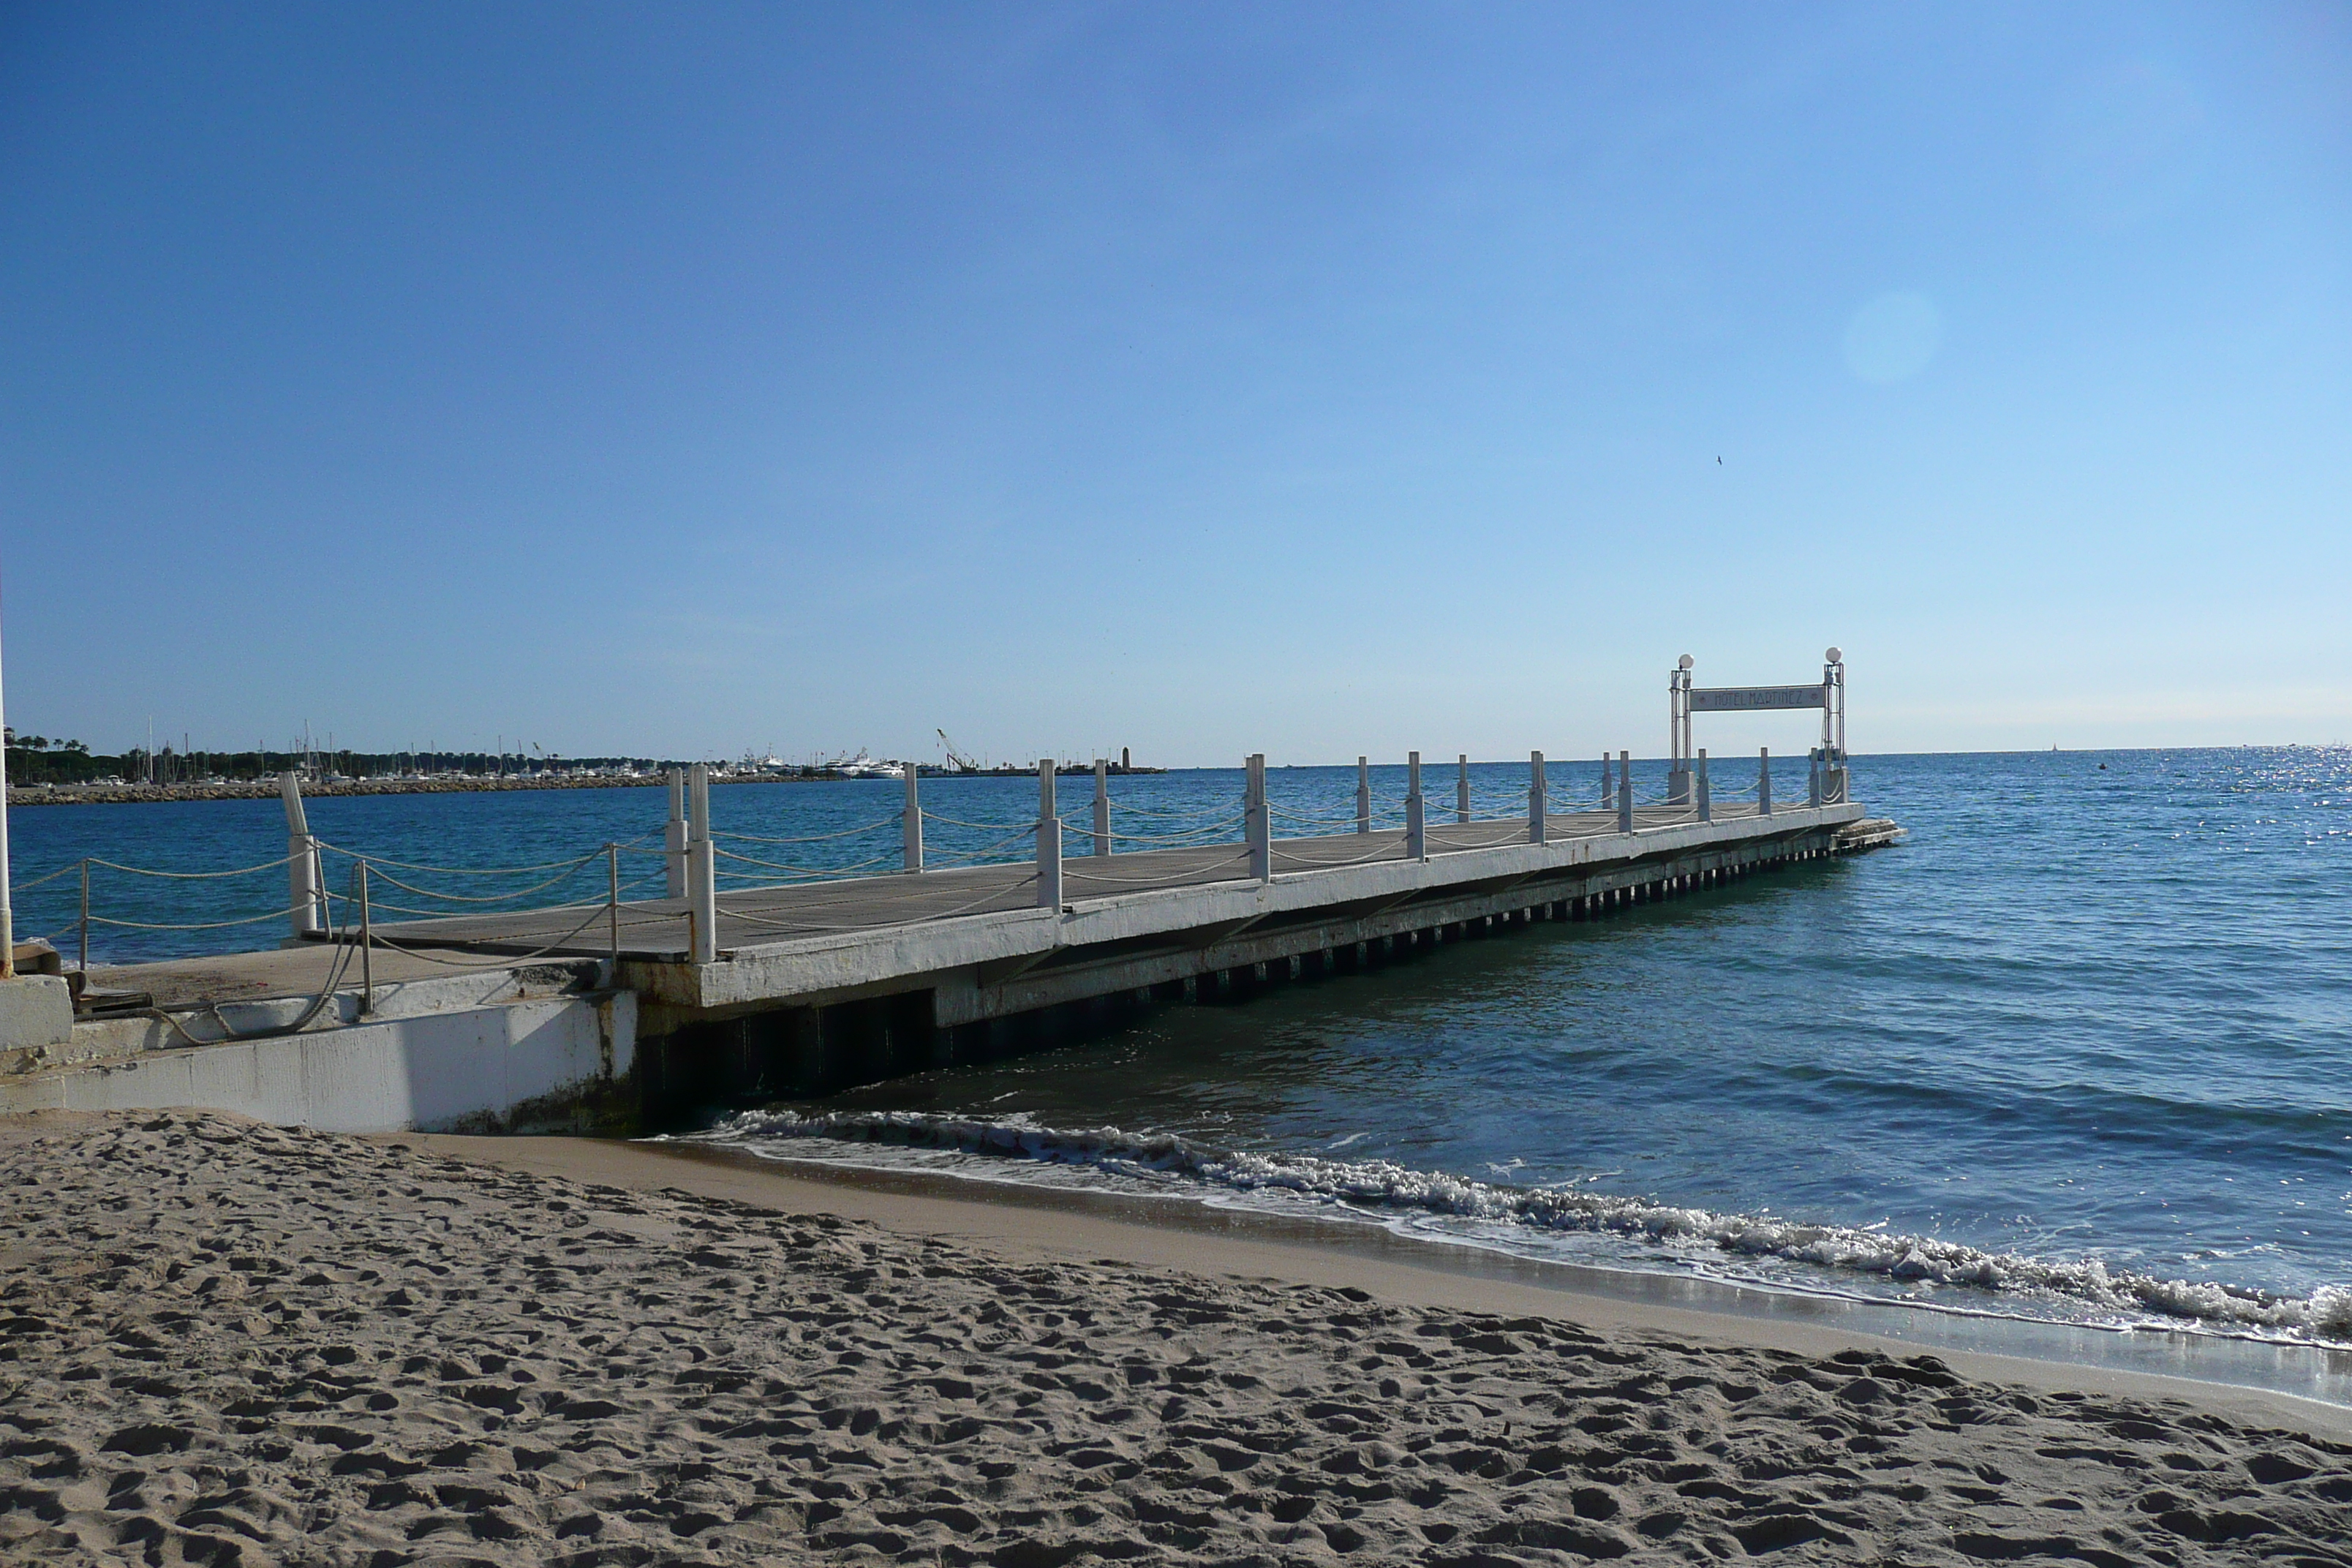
(380,861)
(375,868)
(183,876)
(813,838)
(796,870)
(1028,826)
(196,925)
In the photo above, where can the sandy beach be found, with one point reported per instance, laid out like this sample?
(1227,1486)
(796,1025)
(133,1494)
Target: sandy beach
(226,1342)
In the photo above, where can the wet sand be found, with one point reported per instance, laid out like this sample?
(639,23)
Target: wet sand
(226,1342)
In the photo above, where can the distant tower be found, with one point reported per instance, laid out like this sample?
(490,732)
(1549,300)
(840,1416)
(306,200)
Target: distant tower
(1125,762)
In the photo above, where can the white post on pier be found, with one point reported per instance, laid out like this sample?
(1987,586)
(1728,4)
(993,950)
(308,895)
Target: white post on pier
(1834,774)
(1625,791)
(1363,794)
(1537,791)
(1705,798)
(1685,665)
(1461,790)
(7,914)
(1416,826)
(1256,823)
(1049,839)
(1678,733)
(910,825)
(674,839)
(301,862)
(1763,780)
(701,871)
(1102,806)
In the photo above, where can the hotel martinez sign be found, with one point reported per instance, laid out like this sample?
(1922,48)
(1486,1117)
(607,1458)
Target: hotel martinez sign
(1755,699)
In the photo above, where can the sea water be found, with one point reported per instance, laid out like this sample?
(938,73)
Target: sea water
(2079,1047)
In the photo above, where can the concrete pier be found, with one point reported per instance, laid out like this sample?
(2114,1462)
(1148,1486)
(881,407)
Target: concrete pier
(647,1012)
(818,985)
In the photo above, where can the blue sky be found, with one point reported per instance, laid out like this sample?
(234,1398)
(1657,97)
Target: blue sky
(1312,379)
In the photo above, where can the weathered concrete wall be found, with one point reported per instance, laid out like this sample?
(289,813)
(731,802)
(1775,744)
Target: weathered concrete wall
(36,1014)
(546,1062)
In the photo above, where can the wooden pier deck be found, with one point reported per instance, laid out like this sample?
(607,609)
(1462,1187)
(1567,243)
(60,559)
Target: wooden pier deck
(655,930)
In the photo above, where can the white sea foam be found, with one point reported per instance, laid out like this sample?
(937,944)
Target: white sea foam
(1380,1186)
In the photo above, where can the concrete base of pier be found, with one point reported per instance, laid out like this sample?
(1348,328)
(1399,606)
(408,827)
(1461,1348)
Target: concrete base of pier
(281,1036)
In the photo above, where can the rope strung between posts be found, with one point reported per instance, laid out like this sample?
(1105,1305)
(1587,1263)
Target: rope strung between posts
(1011,827)
(563,876)
(814,837)
(1120,805)
(503,961)
(796,870)
(1176,841)
(1180,879)
(375,863)
(974,856)
(200,925)
(180,876)
(989,897)
(1385,852)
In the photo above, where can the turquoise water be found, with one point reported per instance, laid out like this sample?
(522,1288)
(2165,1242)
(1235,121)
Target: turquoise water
(2081,1046)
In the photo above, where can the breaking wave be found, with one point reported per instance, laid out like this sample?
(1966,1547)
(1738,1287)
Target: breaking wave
(1380,1186)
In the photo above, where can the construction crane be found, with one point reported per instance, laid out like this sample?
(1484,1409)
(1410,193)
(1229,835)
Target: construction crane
(956,759)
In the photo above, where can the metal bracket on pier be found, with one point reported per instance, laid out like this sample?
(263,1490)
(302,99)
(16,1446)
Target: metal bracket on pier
(1763,780)
(1461,790)
(1536,797)
(1706,797)
(1363,794)
(1625,791)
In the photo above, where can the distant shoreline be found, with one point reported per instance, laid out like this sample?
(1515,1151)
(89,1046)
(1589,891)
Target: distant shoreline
(150,794)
